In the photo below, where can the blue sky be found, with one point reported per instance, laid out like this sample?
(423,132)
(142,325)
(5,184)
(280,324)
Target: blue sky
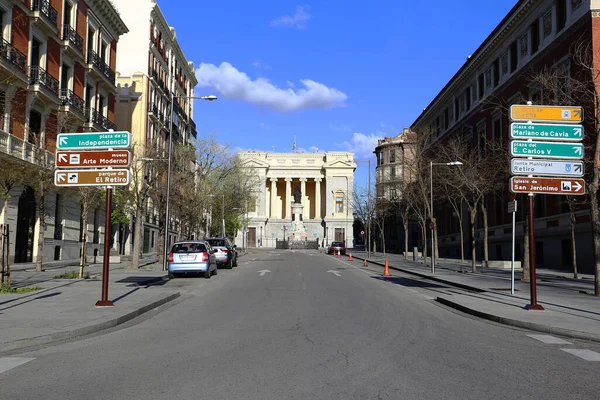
(336,74)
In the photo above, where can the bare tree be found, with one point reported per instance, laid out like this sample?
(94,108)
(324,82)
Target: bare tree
(89,197)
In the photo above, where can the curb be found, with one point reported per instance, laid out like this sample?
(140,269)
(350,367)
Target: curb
(520,324)
(433,278)
(86,330)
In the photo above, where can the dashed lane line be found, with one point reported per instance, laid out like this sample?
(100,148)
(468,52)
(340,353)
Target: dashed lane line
(548,339)
(7,363)
(587,355)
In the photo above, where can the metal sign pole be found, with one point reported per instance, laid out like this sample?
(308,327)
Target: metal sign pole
(512,260)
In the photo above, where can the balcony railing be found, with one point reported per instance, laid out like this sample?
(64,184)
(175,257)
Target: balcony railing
(23,150)
(94,59)
(96,118)
(154,110)
(44,7)
(68,98)
(72,36)
(39,76)
(13,56)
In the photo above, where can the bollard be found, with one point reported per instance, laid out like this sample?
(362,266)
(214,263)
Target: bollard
(415,253)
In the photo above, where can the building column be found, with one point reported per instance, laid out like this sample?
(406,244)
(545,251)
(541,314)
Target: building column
(273,213)
(288,198)
(303,190)
(318,198)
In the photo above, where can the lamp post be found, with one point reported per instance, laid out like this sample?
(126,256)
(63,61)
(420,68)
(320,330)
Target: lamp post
(208,98)
(431,164)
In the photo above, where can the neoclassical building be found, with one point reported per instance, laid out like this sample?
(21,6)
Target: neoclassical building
(326,182)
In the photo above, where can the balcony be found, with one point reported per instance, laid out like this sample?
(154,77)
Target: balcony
(71,102)
(96,63)
(98,121)
(24,151)
(42,10)
(39,78)
(71,40)
(12,59)
(153,111)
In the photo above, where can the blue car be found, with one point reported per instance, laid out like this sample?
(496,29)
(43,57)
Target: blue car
(192,256)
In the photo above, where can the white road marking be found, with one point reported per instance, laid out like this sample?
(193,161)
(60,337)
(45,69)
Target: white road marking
(587,355)
(7,363)
(412,290)
(548,339)
(263,272)
(334,272)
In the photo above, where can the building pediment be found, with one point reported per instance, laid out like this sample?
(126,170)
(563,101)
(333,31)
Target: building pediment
(339,164)
(254,163)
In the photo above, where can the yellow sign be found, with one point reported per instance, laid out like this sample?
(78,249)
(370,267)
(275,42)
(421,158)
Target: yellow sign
(546,113)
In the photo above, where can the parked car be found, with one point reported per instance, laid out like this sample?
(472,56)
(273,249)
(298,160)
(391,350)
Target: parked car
(337,246)
(192,256)
(225,252)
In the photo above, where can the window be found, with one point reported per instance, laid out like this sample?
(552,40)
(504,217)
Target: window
(575,4)
(456,109)
(496,71)
(514,58)
(480,133)
(339,204)
(58,217)
(488,78)
(393,155)
(497,131)
(547,23)
(480,84)
(468,99)
(252,204)
(504,63)
(67,13)
(446,119)
(65,77)
(393,172)
(563,84)
(534,30)
(561,14)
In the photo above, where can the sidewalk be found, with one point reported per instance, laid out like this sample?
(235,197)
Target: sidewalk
(570,310)
(65,308)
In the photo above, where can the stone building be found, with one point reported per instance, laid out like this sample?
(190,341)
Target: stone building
(326,182)
(534,35)
(153,70)
(57,74)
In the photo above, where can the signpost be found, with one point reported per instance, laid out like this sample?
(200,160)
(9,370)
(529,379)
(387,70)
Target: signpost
(559,132)
(90,152)
(546,113)
(512,208)
(546,167)
(91,177)
(93,140)
(520,148)
(116,158)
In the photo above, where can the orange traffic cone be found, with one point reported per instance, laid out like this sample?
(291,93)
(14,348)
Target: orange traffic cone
(350,257)
(365,263)
(386,269)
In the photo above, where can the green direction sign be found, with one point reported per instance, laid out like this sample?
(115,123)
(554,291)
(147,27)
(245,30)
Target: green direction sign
(557,132)
(93,140)
(535,149)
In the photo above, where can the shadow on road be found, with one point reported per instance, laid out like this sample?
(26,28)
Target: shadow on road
(410,282)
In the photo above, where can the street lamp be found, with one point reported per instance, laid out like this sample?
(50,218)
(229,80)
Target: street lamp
(222,211)
(431,164)
(173,97)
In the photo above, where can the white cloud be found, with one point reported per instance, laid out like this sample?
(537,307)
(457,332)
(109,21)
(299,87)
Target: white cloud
(231,83)
(260,65)
(298,20)
(362,145)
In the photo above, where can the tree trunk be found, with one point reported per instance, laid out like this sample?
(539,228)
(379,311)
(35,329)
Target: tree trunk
(39,259)
(462,240)
(525,260)
(485,233)
(405,224)
(424,233)
(472,215)
(137,238)
(595,231)
(573,243)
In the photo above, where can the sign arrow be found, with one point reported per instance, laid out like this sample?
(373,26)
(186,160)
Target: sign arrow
(577,150)
(334,272)
(577,131)
(577,113)
(577,186)
(60,177)
(63,140)
(264,271)
(578,167)
(62,157)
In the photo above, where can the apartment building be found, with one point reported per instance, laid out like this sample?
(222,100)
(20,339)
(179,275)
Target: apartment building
(57,63)
(152,72)
(534,35)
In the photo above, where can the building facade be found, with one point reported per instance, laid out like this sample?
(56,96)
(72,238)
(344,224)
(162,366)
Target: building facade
(392,173)
(326,182)
(153,71)
(57,74)
(535,35)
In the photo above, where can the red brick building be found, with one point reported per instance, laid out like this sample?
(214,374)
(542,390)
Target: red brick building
(535,34)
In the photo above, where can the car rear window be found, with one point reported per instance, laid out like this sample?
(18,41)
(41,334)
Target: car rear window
(188,248)
(337,243)
(216,242)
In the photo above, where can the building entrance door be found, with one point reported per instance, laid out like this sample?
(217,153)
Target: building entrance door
(25,227)
(251,237)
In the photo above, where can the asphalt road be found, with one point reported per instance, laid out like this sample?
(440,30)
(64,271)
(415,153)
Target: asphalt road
(312,327)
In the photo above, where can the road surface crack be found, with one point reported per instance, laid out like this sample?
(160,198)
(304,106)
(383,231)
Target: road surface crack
(345,357)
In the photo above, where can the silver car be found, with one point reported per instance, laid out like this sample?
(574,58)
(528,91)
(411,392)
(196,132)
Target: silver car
(192,256)
(225,252)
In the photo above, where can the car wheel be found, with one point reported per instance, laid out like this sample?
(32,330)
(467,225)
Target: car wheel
(207,274)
